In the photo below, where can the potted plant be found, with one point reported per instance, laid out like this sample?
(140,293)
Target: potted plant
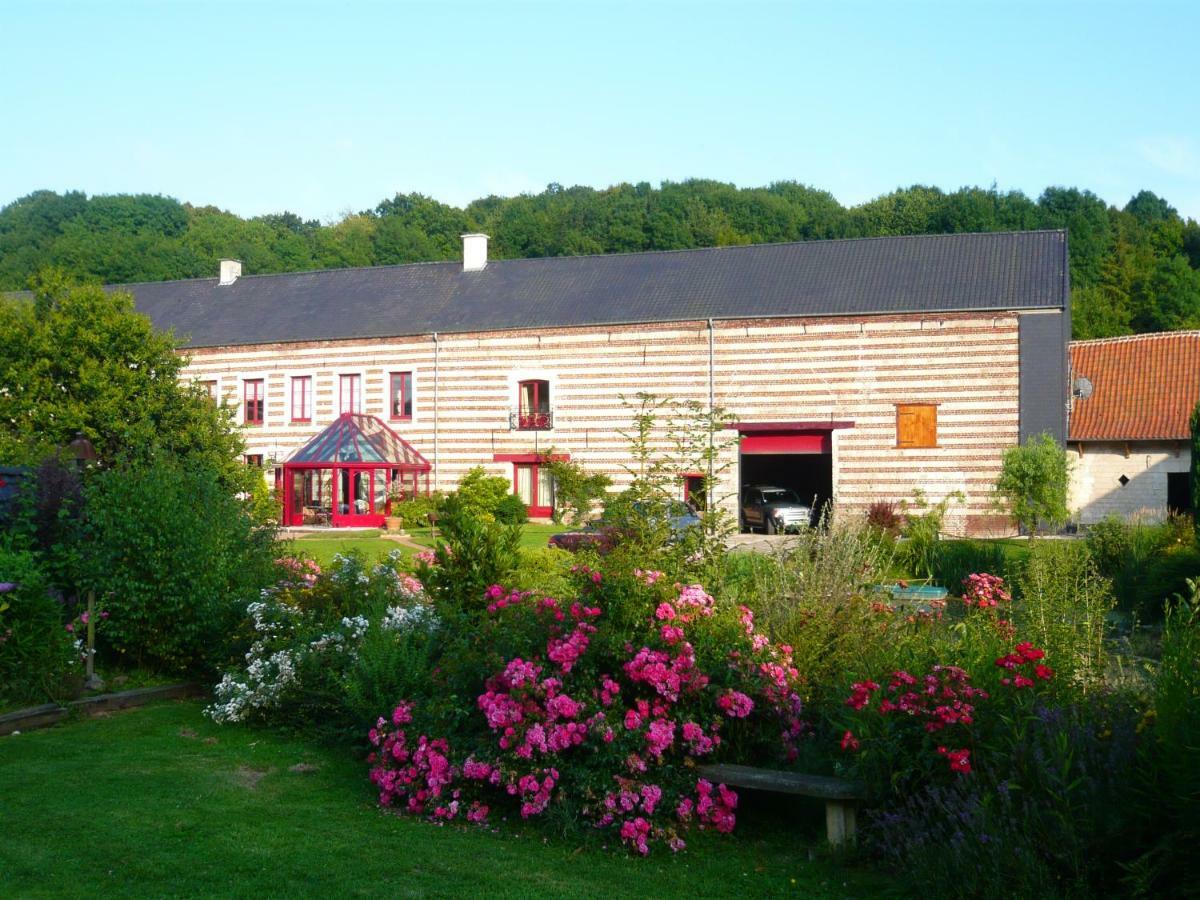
(394,521)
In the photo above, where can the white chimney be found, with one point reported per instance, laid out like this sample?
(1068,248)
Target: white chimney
(474,252)
(231,270)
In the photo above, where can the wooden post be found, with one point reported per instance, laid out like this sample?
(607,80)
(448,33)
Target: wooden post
(839,822)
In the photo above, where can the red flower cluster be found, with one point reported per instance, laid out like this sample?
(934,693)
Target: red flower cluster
(1025,659)
(941,699)
(960,760)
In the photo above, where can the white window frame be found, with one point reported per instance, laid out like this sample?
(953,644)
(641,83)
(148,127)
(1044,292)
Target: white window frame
(312,396)
(242,378)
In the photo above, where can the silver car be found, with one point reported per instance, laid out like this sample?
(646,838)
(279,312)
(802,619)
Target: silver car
(775,510)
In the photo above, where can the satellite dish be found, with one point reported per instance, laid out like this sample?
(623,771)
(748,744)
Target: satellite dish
(1082,388)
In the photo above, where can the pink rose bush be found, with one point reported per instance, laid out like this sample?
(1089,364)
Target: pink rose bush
(610,719)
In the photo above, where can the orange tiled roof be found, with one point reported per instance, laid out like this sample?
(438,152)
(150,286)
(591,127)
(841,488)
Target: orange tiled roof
(1144,387)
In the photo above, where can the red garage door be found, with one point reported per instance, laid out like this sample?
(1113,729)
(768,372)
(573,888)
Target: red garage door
(787,442)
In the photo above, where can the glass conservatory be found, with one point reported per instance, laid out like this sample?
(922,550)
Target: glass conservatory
(349,474)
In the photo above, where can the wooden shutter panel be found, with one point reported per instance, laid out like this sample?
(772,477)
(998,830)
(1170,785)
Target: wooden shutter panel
(916,425)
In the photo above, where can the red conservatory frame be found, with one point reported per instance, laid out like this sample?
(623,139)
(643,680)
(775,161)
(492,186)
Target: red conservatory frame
(347,474)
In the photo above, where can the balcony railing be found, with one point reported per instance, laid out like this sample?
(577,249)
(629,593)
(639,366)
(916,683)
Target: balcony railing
(531,421)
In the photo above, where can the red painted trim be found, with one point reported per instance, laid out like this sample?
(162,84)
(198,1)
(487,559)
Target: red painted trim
(754,427)
(529,457)
(253,391)
(392,376)
(813,442)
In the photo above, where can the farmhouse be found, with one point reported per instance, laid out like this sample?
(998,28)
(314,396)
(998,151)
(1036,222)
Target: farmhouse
(853,370)
(1132,401)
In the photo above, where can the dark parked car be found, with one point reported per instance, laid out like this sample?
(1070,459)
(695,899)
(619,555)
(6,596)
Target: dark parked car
(775,510)
(603,536)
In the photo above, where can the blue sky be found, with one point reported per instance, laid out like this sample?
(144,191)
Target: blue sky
(322,109)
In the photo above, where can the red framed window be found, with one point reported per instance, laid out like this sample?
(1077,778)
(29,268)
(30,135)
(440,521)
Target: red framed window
(302,398)
(400,398)
(350,393)
(534,485)
(533,405)
(254,460)
(694,493)
(252,401)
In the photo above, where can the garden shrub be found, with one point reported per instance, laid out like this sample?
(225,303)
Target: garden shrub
(922,531)
(325,647)
(480,493)
(474,554)
(1148,562)
(576,490)
(885,517)
(1064,608)
(418,510)
(953,561)
(511,510)
(1168,802)
(606,723)
(39,659)
(1033,483)
(546,570)
(175,557)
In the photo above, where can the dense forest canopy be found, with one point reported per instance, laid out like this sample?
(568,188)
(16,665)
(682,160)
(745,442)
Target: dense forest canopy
(1135,269)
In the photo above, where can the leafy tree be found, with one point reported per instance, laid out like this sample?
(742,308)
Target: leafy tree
(1122,264)
(80,360)
(575,489)
(1033,483)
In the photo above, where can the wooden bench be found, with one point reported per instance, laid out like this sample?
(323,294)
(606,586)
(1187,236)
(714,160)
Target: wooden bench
(841,797)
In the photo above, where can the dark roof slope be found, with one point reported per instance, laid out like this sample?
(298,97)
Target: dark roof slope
(926,273)
(1144,387)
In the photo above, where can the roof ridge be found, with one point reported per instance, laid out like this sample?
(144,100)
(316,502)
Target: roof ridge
(536,259)
(1134,338)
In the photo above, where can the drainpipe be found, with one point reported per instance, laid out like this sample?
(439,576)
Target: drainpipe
(436,349)
(711,396)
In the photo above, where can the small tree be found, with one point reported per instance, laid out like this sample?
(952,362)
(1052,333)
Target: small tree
(1033,481)
(575,489)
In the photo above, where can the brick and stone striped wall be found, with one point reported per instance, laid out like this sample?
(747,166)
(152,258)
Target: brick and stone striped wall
(826,369)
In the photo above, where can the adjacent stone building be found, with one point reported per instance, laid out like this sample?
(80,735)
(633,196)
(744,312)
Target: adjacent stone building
(1130,436)
(855,370)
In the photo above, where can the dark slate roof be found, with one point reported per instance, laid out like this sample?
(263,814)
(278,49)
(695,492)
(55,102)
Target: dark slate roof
(924,273)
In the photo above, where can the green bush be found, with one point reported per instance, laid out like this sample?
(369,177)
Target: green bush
(476,554)
(38,660)
(1169,789)
(175,557)
(1033,482)
(1064,607)
(480,493)
(418,511)
(511,511)
(953,561)
(1148,562)
(922,531)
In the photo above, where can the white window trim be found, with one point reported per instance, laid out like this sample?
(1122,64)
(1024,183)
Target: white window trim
(387,394)
(242,378)
(362,391)
(312,397)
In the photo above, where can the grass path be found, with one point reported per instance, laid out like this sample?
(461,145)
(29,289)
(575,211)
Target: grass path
(323,546)
(161,802)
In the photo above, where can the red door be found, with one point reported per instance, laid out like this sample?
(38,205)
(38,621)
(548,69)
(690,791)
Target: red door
(359,497)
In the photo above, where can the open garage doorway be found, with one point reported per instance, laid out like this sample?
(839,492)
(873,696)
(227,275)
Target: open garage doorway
(797,459)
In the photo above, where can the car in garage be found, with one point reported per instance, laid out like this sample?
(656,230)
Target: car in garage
(773,509)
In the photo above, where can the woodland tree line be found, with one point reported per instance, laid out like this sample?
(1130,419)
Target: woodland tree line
(1134,269)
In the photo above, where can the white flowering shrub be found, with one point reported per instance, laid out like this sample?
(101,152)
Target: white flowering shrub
(307,638)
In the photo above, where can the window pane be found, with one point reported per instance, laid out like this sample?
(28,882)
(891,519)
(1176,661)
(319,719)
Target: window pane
(525,484)
(400,404)
(350,394)
(545,491)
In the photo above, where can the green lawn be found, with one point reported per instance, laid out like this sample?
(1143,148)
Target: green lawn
(323,546)
(160,801)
